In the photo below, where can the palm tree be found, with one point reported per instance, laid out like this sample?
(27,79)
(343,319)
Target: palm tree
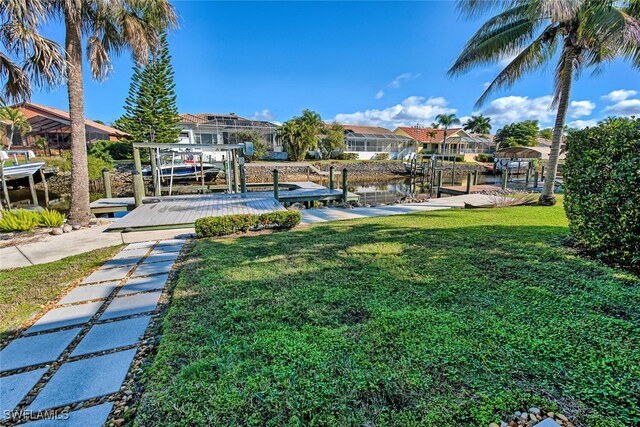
(25,56)
(109,27)
(289,135)
(478,124)
(587,33)
(446,120)
(15,120)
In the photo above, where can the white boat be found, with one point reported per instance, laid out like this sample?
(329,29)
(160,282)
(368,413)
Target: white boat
(18,170)
(185,170)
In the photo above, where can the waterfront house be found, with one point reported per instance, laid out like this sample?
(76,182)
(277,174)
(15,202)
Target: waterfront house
(371,141)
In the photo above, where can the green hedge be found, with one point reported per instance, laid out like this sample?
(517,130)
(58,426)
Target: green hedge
(602,178)
(230,224)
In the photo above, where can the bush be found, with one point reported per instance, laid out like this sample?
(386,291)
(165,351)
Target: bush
(485,158)
(602,178)
(19,220)
(51,218)
(347,156)
(382,156)
(95,164)
(229,224)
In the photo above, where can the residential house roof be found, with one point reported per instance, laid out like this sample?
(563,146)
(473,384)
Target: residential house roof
(422,134)
(227,121)
(43,118)
(355,132)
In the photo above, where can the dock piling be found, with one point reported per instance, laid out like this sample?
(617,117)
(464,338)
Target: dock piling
(138,188)
(32,187)
(542,174)
(275,184)
(154,173)
(136,159)
(344,185)
(331,182)
(475,177)
(106,181)
(5,190)
(527,178)
(505,177)
(535,179)
(469,180)
(46,188)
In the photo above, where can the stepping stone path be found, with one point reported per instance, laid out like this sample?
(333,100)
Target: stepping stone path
(70,365)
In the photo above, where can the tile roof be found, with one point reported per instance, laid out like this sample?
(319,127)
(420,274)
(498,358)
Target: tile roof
(422,134)
(31,110)
(367,129)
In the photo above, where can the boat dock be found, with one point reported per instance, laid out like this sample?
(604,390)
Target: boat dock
(162,212)
(463,189)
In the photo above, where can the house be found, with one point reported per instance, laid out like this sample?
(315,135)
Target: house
(459,141)
(213,128)
(370,141)
(54,126)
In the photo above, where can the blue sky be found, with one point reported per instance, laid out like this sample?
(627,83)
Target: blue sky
(377,63)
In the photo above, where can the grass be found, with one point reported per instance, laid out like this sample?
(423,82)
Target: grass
(24,290)
(447,318)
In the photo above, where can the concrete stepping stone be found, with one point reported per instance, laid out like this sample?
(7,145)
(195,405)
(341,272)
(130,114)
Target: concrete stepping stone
(168,248)
(128,305)
(65,316)
(139,245)
(94,416)
(147,269)
(161,257)
(35,350)
(107,274)
(143,284)
(89,292)
(171,242)
(132,253)
(84,379)
(15,387)
(122,262)
(107,336)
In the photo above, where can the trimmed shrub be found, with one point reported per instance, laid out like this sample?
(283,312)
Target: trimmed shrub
(382,156)
(19,220)
(51,218)
(280,219)
(485,158)
(347,156)
(224,225)
(602,177)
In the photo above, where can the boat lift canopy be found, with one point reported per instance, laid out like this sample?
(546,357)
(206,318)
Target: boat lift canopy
(541,153)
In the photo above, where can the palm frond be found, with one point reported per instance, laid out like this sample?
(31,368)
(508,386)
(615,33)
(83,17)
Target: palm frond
(538,53)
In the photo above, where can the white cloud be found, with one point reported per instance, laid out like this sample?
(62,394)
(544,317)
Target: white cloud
(619,95)
(379,94)
(404,77)
(581,124)
(412,110)
(265,114)
(580,108)
(627,107)
(509,109)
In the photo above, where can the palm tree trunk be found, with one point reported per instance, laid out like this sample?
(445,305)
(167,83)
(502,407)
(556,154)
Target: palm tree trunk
(10,141)
(79,212)
(547,198)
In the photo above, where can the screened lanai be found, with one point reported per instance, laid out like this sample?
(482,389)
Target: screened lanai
(369,141)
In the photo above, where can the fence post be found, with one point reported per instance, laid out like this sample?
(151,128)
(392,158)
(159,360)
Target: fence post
(107,183)
(138,187)
(469,184)
(275,185)
(331,183)
(344,185)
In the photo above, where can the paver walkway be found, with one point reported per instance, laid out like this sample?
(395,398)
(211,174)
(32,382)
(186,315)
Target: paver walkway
(78,354)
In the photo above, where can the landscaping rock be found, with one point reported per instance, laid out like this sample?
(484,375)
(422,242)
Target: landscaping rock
(76,227)
(56,231)
(66,228)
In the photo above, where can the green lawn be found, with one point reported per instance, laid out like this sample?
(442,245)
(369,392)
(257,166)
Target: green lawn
(23,290)
(438,319)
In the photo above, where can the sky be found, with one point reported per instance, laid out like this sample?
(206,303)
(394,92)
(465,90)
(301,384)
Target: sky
(371,63)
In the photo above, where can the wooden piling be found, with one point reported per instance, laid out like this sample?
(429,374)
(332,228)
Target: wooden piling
(154,173)
(469,180)
(236,171)
(535,179)
(46,188)
(344,185)
(243,179)
(331,182)
(5,190)
(106,181)
(439,179)
(32,187)
(275,184)
(136,159)
(138,188)
(505,177)
(542,174)
(527,178)
(475,177)
(308,174)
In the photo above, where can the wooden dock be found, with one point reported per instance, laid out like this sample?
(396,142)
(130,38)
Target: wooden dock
(462,189)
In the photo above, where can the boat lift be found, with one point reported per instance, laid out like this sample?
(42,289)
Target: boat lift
(233,161)
(20,170)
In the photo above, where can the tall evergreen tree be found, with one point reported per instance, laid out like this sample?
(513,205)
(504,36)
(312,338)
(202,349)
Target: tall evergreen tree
(151,114)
